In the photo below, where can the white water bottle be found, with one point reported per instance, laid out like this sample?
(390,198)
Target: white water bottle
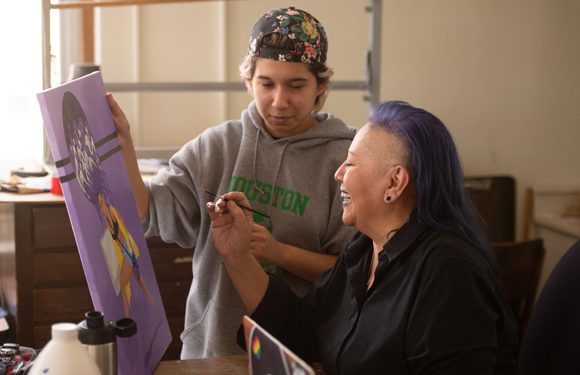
(64,354)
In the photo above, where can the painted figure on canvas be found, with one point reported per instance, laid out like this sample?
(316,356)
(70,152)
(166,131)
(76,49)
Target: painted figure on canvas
(121,254)
(126,250)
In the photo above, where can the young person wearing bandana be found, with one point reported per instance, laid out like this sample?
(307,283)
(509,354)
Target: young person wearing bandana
(282,154)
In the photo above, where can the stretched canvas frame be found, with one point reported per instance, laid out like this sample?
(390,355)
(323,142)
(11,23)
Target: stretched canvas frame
(104,218)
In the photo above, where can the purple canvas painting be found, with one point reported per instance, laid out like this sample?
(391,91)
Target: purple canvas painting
(104,217)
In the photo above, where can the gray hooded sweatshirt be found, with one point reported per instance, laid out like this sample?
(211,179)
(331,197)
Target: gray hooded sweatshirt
(290,179)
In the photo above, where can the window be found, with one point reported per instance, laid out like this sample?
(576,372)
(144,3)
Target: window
(21,78)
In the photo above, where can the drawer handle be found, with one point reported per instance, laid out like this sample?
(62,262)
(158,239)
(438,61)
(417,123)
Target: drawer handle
(183,260)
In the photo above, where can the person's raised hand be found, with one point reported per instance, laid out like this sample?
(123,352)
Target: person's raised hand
(231,225)
(121,122)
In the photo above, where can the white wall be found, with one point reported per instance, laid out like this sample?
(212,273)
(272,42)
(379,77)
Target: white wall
(502,75)
(205,41)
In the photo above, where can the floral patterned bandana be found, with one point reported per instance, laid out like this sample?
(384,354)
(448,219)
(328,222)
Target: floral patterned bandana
(310,42)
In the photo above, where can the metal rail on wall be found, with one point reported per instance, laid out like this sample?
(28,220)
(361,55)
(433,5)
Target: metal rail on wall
(370,81)
(369,84)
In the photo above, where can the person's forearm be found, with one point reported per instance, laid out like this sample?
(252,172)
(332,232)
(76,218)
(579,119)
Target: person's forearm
(249,278)
(140,191)
(306,264)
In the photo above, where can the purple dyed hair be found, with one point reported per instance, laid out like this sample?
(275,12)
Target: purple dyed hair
(442,199)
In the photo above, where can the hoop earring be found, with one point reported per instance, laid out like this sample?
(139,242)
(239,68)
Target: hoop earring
(388,199)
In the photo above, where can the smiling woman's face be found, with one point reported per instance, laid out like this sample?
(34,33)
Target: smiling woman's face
(364,178)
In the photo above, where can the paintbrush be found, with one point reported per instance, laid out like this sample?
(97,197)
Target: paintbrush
(239,205)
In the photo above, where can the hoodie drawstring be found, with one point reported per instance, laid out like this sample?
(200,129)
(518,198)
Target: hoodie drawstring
(255,161)
(280,163)
(277,169)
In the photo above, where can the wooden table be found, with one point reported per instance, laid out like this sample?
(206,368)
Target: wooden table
(234,365)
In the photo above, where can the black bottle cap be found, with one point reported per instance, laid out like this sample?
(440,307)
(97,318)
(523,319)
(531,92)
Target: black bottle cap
(95,331)
(126,327)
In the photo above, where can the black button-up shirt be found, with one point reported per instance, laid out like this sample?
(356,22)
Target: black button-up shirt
(435,307)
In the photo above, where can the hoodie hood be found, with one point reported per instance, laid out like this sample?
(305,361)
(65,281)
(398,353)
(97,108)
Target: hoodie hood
(328,128)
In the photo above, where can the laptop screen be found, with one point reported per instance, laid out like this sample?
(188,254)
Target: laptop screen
(268,356)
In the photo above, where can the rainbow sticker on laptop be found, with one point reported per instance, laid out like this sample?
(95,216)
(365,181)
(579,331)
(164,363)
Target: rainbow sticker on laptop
(256,348)
(269,356)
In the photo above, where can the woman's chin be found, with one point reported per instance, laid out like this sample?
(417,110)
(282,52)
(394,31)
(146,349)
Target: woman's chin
(347,220)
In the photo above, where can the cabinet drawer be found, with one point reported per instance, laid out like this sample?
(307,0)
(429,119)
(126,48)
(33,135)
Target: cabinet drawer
(71,304)
(63,269)
(42,335)
(61,304)
(156,241)
(171,264)
(51,227)
(174,296)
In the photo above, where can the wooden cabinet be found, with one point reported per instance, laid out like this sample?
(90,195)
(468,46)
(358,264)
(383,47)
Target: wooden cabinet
(49,283)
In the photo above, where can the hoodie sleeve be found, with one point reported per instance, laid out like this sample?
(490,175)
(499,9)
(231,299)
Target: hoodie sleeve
(176,205)
(174,211)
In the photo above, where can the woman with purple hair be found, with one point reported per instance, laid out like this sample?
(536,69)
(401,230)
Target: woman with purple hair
(416,291)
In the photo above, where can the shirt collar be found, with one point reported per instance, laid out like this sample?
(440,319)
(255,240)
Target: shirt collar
(404,237)
(399,242)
